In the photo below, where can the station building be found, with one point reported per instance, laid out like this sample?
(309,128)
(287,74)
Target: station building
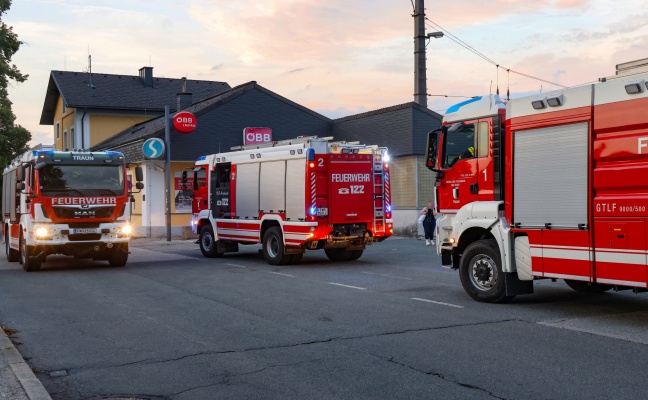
(120,112)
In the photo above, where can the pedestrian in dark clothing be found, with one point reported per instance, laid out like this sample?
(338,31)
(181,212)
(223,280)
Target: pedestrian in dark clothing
(429,222)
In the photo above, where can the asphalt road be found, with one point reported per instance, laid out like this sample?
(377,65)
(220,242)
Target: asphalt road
(392,325)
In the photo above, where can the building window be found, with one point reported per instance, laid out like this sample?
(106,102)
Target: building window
(64,108)
(65,142)
(58,131)
(72,139)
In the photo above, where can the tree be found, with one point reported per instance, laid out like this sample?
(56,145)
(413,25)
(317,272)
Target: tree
(13,138)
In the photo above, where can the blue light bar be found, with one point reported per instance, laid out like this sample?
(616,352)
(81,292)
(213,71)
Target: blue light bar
(310,154)
(201,158)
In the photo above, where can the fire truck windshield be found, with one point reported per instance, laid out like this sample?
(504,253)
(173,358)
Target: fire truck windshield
(84,180)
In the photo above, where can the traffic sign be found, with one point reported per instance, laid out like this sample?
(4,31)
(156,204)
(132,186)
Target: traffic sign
(153,148)
(184,122)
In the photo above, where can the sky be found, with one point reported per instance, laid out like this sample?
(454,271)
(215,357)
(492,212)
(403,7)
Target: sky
(335,57)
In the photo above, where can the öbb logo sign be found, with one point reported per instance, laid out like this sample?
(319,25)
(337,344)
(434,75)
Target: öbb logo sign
(257,135)
(184,122)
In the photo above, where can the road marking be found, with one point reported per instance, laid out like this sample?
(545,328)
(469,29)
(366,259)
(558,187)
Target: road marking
(388,276)
(349,286)
(237,266)
(279,273)
(437,302)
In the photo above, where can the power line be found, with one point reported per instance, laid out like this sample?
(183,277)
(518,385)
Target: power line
(473,50)
(447,95)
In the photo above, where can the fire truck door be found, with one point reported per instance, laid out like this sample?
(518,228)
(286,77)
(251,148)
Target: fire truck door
(220,191)
(460,167)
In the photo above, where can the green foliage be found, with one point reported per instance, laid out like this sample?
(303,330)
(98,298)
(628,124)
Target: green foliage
(13,138)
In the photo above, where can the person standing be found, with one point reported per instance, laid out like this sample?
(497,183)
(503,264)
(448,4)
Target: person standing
(429,213)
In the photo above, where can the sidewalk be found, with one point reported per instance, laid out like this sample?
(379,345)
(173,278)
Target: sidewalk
(17,381)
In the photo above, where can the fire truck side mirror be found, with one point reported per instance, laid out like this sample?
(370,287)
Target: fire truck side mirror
(20,174)
(20,186)
(139,175)
(40,165)
(139,185)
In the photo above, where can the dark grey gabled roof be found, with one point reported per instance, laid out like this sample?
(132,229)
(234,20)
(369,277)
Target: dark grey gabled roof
(155,127)
(120,92)
(390,109)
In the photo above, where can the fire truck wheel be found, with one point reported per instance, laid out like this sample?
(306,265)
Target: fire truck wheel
(119,255)
(28,260)
(273,247)
(339,254)
(12,255)
(481,273)
(295,258)
(207,242)
(586,287)
(355,254)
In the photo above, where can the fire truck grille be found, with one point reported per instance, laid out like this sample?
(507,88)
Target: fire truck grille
(84,236)
(95,212)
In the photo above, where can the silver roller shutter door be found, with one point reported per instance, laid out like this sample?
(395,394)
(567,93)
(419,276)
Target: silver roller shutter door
(550,176)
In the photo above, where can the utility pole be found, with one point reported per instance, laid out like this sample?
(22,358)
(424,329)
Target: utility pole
(420,78)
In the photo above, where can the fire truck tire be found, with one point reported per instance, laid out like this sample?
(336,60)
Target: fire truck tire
(208,243)
(29,262)
(355,254)
(119,255)
(339,254)
(295,258)
(273,247)
(586,287)
(481,273)
(12,255)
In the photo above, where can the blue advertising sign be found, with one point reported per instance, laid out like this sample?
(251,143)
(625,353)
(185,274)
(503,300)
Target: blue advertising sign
(153,148)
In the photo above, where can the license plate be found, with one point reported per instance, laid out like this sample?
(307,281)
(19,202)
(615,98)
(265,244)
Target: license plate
(322,212)
(84,230)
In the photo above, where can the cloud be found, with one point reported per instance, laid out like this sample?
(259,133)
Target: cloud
(292,71)
(217,67)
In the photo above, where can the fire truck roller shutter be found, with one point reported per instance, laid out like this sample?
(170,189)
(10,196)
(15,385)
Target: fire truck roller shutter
(550,176)
(272,186)
(295,189)
(247,190)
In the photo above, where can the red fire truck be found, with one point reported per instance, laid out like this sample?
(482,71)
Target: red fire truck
(553,186)
(74,203)
(294,195)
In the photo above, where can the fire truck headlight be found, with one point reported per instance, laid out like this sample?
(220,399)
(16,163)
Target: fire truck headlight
(42,233)
(386,157)
(126,230)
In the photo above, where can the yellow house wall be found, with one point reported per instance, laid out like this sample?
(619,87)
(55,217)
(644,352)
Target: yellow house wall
(103,127)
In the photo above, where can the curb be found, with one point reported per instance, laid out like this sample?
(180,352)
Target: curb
(32,386)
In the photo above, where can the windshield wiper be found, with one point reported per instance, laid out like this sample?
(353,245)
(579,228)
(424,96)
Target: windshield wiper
(63,191)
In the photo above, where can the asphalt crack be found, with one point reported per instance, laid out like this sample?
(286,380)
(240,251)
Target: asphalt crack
(149,361)
(441,376)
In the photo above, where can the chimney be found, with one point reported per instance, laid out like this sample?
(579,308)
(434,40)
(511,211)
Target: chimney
(184,99)
(146,76)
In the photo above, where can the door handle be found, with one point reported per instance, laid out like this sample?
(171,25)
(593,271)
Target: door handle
(474,189)
(455,193)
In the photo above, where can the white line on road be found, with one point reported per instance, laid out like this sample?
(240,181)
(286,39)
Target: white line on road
(279,273)
(437,302)
(349,286)
(237,266)
(388,276)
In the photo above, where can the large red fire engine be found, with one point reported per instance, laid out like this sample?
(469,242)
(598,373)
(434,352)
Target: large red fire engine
(74,203)
(291,196)
(547,186)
